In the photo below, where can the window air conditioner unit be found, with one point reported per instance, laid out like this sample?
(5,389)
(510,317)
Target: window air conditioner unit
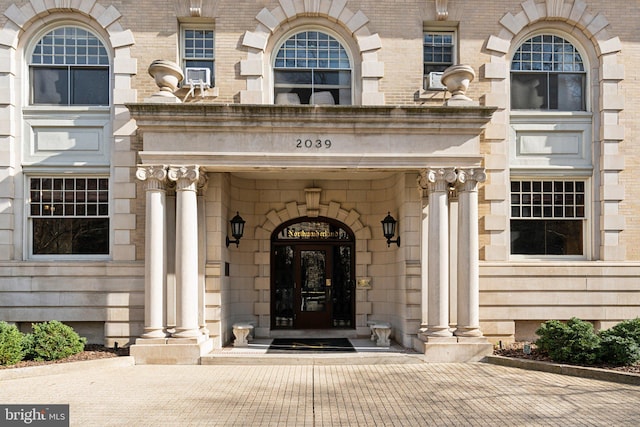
(434,82)
(197,77)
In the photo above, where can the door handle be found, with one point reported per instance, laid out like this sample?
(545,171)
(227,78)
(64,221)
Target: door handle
(328,283)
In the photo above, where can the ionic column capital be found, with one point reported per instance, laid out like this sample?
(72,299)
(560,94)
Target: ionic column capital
(437,180)
(185,177)
(469,178)
(153,176)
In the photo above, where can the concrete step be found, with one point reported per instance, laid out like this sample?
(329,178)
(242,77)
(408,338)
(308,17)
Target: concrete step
(367,353)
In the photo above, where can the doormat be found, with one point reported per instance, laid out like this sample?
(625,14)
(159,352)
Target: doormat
(318,345)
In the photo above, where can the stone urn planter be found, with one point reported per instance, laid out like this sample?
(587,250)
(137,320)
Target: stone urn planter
(457,78)
(167,75)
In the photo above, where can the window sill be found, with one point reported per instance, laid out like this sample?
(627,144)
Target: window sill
(431,94)
(547,258)
(69,258)
(183,92)
(550,113)
(65,109)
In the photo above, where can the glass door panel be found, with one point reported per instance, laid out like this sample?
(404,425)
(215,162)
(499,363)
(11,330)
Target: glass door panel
(313,281)
(284,286)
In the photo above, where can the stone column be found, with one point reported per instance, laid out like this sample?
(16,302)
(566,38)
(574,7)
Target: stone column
(437,182)
(154,178)
(424,258)
(202,255)
(186,179)
(468,263)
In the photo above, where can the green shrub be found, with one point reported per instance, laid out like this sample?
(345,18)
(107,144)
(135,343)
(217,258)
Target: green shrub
(573,342)
(627,329)
(620,345)
(52,341)
(617,350)
(11,348)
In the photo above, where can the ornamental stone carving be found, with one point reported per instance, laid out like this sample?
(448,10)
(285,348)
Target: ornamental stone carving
(437,179)
(441,10)
(469,178)
(185,177)
(154,177)
(167,76)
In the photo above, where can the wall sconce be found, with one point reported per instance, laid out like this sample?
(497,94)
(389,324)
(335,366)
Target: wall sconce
(237,229)
(389,229)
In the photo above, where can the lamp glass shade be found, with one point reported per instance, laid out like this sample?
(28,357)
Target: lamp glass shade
(237,226)
(388,226)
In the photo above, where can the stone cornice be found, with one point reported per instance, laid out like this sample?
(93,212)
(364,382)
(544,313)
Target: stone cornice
(411,119)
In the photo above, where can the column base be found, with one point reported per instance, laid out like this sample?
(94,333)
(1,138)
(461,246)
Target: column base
(170,351)
(468,332)
(154,333)
(438,331)
(453,349)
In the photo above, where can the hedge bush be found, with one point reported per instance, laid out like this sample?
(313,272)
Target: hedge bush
(52,341)
(573,342)
(11,344)
(620,345)
(577,342)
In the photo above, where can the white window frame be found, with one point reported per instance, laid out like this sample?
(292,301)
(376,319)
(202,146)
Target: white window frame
(439,30)
(327,31)
(183,56)
(28,218)
(30,104)
(586,72)
(546,175)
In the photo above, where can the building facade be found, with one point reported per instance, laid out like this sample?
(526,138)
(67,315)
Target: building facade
(135,135)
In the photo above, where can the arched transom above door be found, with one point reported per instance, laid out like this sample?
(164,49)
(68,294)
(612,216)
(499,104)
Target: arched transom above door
(271,22)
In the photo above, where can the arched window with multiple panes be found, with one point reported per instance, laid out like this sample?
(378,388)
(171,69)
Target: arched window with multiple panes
(548,73)
(551,156)
(68,208)
(312,67)
(69,66)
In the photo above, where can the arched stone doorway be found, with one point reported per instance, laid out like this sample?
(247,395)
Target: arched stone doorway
(312,275)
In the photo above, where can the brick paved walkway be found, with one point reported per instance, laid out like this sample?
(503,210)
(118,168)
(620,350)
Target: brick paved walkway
(325,395)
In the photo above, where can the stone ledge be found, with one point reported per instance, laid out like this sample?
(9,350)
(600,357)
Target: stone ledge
(452,352)
(63,368)
(558,368)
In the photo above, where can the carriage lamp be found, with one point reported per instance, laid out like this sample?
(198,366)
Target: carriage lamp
(237,229)
(389,229)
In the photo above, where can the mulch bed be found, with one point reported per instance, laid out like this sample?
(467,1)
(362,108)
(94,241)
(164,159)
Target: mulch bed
(516,351)
(91,352)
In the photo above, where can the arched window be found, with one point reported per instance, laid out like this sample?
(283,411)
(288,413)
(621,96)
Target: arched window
(547,73)
(69,66)
(312,67)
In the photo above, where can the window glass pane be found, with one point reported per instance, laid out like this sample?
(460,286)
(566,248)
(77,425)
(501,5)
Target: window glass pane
(528,91)
(293,77)
(68,236)
(570,90)
(50,86)
(546,237)
(90,86)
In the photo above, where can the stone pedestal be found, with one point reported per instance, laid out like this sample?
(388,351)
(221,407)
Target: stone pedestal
(171,351)
(453,349)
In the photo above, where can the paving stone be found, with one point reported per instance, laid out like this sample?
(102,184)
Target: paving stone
(473,394)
